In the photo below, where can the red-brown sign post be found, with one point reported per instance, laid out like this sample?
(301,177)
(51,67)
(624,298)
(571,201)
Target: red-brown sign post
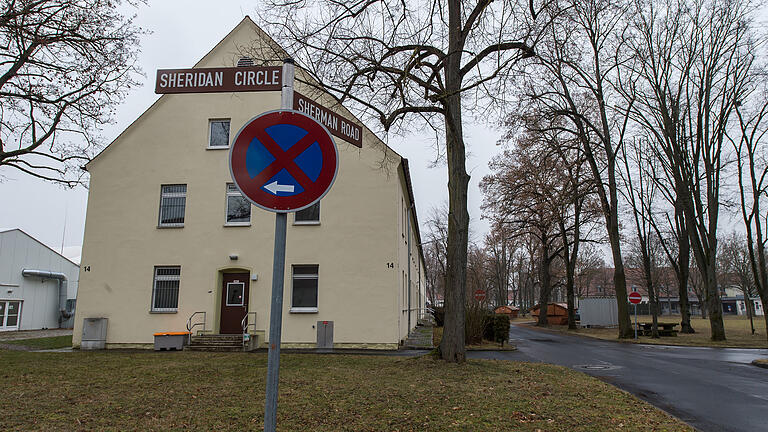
(635,298)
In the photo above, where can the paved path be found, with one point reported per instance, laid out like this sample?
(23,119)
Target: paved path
(713,389)
(33,334)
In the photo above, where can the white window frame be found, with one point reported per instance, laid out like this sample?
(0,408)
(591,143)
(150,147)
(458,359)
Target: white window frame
(208,145)
(309,222)
(155,279)
(235,193)
(242,299)
(315,276)
(164,195)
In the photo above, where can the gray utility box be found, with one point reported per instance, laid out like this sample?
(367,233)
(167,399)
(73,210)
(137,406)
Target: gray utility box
(94,334)
(325,334)
(170,341)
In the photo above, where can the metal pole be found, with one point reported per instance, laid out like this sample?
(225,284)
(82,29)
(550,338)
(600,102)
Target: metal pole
(278,276)
(635,320)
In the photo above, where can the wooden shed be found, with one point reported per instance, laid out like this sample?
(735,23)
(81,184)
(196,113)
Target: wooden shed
(510,311)
(557,313)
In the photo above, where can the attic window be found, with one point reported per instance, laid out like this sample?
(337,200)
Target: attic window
(245,62)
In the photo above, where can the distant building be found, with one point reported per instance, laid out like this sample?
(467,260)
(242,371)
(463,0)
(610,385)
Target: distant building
(38,286)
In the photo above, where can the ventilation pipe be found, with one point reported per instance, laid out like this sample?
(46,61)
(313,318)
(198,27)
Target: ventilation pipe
(62,278)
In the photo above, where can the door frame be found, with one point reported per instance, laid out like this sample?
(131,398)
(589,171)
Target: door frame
(4,317)
(218,292)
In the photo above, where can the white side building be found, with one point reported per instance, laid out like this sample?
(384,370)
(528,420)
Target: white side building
(37,285)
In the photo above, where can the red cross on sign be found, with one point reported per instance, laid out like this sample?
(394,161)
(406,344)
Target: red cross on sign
(283,161)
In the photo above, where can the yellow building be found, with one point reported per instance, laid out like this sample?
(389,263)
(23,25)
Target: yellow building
(167,235)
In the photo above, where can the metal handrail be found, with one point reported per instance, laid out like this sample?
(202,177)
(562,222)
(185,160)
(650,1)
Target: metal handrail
(245,324)
(190,326)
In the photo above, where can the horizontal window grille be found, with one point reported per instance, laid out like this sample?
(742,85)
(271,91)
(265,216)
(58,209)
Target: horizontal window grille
(244,62)
(238,208)
(309,214)
(305,281)
(165,292)
(219,133)
(173,201)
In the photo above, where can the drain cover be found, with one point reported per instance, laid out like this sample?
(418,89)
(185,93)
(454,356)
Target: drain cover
(596,366)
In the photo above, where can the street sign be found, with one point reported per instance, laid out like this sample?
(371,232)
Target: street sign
(216,80)
(635,298)
(283,161)
(480,295)
(339,126)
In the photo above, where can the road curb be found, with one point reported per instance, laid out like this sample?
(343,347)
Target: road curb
(761,363)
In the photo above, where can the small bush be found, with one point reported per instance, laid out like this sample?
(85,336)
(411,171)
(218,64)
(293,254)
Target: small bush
(438,312)
(500,328)
(475,324)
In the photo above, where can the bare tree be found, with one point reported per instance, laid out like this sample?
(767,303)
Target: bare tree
(752,170)
(735,265)
(574,78)
(434,245)
(425,60)
(64,67)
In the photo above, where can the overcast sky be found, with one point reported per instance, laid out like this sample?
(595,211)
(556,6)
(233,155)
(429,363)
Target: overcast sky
(181,33)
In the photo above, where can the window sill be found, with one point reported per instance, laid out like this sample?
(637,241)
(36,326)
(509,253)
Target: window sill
(170,226)
(163,312)
(237,224)
(303,310)
(306,222)
(217,148)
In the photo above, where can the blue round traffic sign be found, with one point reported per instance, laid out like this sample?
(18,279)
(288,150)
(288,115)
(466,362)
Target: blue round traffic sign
(283,161)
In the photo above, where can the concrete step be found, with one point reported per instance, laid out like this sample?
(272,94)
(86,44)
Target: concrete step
(420,338)
(213,348)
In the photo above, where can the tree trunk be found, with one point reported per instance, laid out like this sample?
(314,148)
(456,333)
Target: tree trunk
(683,269)
(714,304)
(452,346)
(545,283)
(748,306)
(619,279)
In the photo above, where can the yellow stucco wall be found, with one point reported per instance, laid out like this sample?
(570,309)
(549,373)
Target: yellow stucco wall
(359,233)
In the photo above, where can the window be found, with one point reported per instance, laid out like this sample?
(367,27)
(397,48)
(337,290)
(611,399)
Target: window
(218,134)
(235,292)
(173,200)
(304,297)
(308,216)
(238,208)
(165,290)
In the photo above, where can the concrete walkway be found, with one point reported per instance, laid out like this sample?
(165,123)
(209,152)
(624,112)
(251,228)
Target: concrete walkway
(33,334)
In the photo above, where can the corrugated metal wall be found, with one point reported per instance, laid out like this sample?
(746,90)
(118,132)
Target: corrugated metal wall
(598,311)
(40,307)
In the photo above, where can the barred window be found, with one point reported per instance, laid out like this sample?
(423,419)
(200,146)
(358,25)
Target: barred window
(238,208)
(304,293)
(173,200)
(309,216)
(165,290)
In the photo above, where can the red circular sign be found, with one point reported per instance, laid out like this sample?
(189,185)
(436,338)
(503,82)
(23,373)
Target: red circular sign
(479,295)
(283,161)
(635,298)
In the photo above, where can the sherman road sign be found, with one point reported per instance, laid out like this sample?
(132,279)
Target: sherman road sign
(283,161)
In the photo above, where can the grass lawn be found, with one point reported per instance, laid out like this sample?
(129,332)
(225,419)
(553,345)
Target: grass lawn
(213,391)
(737,332)
(43,343)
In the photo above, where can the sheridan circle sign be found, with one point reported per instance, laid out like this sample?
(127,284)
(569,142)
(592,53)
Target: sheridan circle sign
(215,80)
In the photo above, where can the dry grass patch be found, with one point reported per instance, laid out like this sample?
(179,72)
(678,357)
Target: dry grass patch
(737,332)
(210,391)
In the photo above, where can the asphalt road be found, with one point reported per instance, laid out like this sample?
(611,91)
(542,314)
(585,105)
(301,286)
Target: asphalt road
(712,389)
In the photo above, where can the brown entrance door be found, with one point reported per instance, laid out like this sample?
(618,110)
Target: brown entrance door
(234,302)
